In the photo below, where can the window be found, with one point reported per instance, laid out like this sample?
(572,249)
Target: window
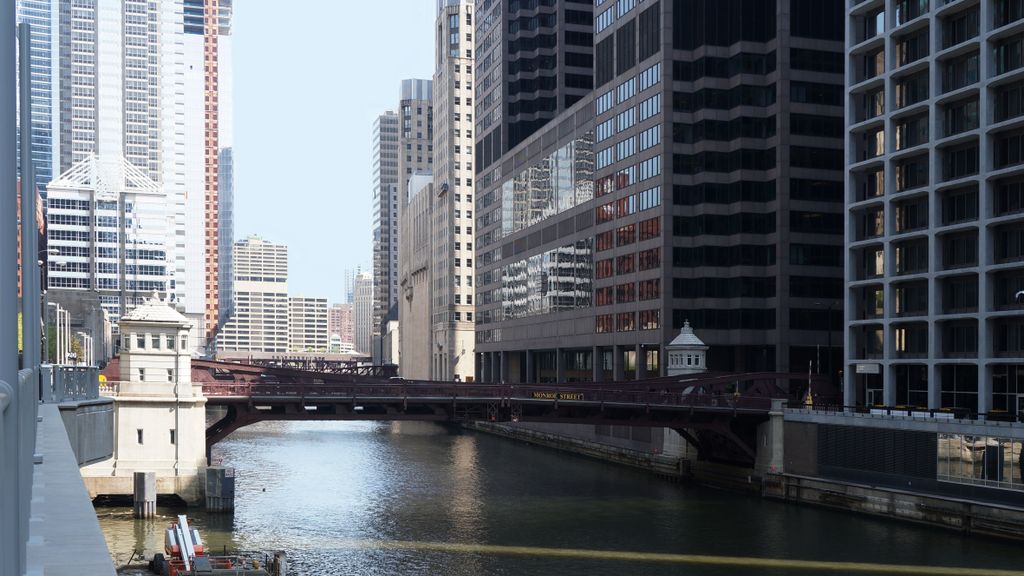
(960,116)
(960,205)
(911,131)
(1009,101)
(625,235)
(650,228)
(960,27)
(138,435)
(911,173)
(912,48)
(140,341)
(960,72)
(650,319)
(1009,54)
(173,439)
(1009,149)
(604,323)
(1009,196)
(170,374)
(959,161)
(912,89)
(649,259)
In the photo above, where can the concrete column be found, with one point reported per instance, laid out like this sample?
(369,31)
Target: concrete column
(769,458)
(641,362)
(618,369)
(595,364)
(530,376)
(145,494)
(934,387)
(559,365)
(220,489)
(504,365)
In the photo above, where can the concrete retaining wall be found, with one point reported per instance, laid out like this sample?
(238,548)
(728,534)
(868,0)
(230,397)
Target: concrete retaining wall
(962,515)
(666,465)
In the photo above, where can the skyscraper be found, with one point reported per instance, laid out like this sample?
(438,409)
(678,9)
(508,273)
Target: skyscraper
(207,28)
(105,48)
(533,60)
(451,301)
(934,189)
(260,320)
(385,219)
(363,311)
(413,152)
(699,182)
(42,17)
(340,322)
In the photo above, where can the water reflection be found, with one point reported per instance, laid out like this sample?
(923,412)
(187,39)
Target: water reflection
(325,492)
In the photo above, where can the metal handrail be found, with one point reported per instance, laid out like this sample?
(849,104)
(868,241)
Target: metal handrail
(911,411)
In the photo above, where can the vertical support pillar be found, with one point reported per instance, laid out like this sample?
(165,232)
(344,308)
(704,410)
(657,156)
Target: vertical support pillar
(641,362)
(504,366)
(559,366)
(935,386)
(30,312)
(145,494)
(220,489)
(530,376)
(596,364)
(618,370)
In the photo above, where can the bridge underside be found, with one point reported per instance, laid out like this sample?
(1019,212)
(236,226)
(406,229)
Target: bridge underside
(721,433)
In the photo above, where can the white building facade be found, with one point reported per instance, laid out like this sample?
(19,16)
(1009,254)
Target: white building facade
(452,329)
(260,319)
(307,324)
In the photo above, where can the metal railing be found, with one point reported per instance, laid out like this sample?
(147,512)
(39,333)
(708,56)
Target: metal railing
(912,412)
(504,392)
(70,383)
(19,410)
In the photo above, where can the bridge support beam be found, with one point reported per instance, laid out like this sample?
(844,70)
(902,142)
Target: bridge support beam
(530,376)
(641,362)
(618,369)
(597,364)
(559,365)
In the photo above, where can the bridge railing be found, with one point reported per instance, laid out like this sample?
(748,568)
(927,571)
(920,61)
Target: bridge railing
(502,392)
(70,383)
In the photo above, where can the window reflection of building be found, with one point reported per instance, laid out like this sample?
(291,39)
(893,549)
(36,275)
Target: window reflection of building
(552,281)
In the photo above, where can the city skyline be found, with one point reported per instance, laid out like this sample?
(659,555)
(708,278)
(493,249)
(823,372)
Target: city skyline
(329,163)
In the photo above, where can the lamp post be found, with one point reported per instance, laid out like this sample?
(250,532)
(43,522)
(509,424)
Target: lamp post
(45,311)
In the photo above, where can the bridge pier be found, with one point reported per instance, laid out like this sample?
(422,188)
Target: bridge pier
(144,494)
(770,434)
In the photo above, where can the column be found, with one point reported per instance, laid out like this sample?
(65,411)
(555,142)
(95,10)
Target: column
(529,378)
(641,362)
(504,355)
(618,370)
(596,365)
(559,366)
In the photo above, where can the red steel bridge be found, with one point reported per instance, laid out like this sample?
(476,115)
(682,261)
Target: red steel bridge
(718,413)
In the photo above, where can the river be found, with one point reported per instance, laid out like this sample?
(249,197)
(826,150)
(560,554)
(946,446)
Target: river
(369,499)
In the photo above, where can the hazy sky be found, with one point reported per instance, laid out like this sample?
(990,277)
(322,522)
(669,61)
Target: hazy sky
(310,76)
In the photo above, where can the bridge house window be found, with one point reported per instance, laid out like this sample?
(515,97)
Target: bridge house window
(172,436)
(170,374)
(140,341)
(138,435)
(184,342)
(170,342)
(142,374)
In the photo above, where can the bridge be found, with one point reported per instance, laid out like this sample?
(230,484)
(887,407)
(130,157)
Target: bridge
(717,413)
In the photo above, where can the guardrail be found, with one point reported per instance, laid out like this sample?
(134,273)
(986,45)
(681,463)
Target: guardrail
(70,383)
(912,412)
(19,410)
(504,392)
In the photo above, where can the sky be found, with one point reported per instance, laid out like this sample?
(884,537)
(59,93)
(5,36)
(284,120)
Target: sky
(309,82)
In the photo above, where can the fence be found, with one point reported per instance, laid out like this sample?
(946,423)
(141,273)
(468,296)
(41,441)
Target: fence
(70,383)
(19,410)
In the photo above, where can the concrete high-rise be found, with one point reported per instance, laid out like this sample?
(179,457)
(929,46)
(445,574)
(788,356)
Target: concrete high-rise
(385,220)
(340,322)
(934,197)
(362,311)
(415,281)
(451,293)
(207,25)
(307,324)
(532,61)
(105,47)
(701,181)
(260,319)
